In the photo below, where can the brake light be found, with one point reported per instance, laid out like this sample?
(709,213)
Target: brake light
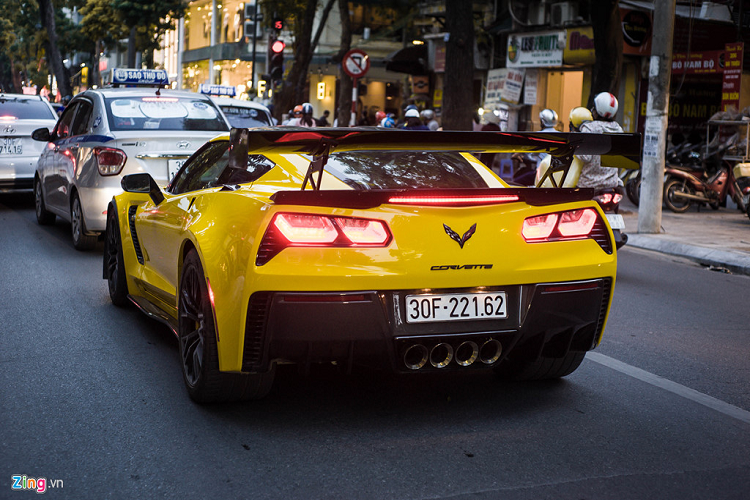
(571,224)
(577,222)
(110,160)
(607,198)
(306,229)
(316,230)
(453,200)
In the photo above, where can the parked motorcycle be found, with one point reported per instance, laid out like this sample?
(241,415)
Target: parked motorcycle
(741,173)
(684,187)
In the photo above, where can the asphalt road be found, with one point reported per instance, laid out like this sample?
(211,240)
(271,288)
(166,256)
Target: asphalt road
(92,395)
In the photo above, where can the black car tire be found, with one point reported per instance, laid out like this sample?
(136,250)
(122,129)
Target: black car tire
(43,216)
(541,369)
(676,204)
(114,263)
(81,240)
(198,351)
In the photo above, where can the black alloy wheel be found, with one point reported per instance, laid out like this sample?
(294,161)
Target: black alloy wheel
(43,216)
(114,262)
(198,349)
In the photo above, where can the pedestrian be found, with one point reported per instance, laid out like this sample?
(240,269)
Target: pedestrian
(413,122)
(323,120)
(593,173)
(306,119)
(428,118)
(491,124)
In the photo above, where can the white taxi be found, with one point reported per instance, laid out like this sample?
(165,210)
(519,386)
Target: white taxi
(107,133)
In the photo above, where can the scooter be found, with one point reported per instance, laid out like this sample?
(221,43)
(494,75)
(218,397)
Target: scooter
(682,188)
(609,200)
(741,173)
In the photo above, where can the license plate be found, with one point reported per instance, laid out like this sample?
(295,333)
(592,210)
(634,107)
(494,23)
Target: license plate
(456,307)
(616,221)
(173,166)
(11,147)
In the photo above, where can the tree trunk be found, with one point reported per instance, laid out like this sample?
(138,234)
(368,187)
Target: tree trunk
(344,108)
(131,47)
(605,17)
(293,88)
(53,51)
(459,66)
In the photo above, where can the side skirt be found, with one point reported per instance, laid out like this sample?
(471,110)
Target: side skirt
(154,312)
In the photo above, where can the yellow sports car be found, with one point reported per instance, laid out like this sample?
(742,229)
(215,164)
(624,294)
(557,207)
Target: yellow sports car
(363,246)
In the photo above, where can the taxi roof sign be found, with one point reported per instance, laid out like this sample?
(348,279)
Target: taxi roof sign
(140,77)
(219,90)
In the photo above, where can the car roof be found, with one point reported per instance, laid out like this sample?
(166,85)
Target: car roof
(238,103)
(5,95)
(109,92)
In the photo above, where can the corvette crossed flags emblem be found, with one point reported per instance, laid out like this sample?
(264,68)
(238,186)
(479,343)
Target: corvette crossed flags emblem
(461,240)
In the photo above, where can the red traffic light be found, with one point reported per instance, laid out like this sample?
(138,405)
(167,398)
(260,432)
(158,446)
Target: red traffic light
(277,47)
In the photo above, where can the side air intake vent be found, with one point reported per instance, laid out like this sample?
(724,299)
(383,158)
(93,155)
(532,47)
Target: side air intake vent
(255,328)
(131,223)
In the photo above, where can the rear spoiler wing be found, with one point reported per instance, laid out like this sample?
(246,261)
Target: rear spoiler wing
(623,149)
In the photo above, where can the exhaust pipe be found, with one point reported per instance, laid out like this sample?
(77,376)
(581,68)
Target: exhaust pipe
(466,353)
(441,355)
(490,351)
(415,356)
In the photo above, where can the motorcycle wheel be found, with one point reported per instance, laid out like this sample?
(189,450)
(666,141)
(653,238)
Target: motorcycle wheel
(672,200)
(633,189)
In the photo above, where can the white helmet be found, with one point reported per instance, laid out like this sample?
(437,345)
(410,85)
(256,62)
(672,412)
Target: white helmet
(548,117)
(605,105)
(412,113)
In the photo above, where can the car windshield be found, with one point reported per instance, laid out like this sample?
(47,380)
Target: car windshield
(25,109)
(241,117)
(163,113)
(404,170)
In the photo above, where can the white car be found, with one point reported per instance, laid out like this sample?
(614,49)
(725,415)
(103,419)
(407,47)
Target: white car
(20,115)
(245,114)
(107,133)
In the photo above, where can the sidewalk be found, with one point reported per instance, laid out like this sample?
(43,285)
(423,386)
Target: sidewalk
(719,238)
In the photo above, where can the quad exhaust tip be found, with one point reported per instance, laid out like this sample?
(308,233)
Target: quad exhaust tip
(416,356)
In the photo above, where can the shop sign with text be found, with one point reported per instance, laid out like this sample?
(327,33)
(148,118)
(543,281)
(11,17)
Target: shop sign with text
(636,32)
(533,50)
(730,87)
(699,63)
(579,48)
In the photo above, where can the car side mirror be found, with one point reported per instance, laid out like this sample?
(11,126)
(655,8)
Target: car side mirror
(41,134)
(142,183)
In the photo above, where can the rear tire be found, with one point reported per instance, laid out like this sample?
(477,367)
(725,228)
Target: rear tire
(675,203)
(198,351)
(114,263)
(633,189)
(541,369)
(81,240)
(43,216)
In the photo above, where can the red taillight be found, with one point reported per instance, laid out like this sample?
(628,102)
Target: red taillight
(607,198)
(571,224)
(316,230)
(453,200)
(109,160)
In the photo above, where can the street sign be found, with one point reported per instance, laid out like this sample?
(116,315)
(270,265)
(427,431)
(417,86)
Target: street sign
(356,63)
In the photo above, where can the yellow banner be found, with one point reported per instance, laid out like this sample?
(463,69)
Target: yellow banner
(579,46)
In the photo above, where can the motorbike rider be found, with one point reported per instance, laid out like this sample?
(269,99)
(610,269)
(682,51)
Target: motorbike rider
(306,120)
(428,118)
(593,174)
(548,117)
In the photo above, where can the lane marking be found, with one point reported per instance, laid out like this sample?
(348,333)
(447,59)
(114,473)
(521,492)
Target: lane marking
(673,387)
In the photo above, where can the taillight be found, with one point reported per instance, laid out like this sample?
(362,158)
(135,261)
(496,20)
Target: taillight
(448,200)
(571,224)
(110,161)
(315,230)
(607,198)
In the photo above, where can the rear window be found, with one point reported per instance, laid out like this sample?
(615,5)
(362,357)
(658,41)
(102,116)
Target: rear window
(163,113)
(403,170)
(246,117)
(25,109)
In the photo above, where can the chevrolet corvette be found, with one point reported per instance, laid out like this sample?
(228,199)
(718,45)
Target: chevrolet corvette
(386,248)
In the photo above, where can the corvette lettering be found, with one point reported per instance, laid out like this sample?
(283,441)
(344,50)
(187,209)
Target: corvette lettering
(462,266)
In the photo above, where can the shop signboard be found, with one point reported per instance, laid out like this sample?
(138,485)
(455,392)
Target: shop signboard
(706,62)
(636,32)
(495,84)
(535,50)
(511,91)
(730,87)
(530,87)
(579,46)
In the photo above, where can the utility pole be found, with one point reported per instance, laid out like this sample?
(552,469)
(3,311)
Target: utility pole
(655,135)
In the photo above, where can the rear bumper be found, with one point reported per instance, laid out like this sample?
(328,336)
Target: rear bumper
(369,327)
(17,172)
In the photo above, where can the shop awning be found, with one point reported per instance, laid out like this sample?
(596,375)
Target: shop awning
(411,60)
